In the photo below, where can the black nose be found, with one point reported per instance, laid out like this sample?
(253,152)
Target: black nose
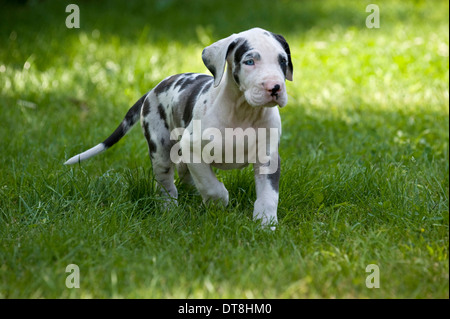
(275,90)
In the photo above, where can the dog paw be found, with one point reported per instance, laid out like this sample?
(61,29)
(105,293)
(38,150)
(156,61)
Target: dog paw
(266,222)
(265,214)
(169,203)
(218,195)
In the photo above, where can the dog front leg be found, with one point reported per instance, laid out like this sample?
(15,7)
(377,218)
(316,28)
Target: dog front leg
(210,188)
(266,203)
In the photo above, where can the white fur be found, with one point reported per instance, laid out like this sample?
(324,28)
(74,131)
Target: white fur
(87,154)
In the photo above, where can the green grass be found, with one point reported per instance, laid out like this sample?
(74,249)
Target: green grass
(365,155)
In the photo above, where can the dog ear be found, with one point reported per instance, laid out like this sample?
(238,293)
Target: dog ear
(215,56)
(285,45)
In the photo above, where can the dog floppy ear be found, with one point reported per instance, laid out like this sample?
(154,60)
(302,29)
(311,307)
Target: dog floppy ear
(215,56)
(285,45)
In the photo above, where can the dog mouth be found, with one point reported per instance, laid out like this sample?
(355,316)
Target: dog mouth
(261,98)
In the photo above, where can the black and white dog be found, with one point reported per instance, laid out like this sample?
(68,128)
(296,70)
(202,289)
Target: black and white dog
(249,72)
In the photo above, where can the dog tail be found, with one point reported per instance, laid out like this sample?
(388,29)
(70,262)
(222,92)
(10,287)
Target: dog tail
(130,119)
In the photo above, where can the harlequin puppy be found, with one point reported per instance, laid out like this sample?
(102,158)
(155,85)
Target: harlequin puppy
(249,71)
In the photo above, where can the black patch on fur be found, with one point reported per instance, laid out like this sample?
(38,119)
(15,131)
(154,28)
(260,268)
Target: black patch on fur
(240,51)
(162,114)
(166,84)
(179,82)
(146,108)
(187,81)
(195,90)
(232,46)
(283,63)
(130,119)
(207,87)
(274,178)
(152,147)
(286,48)
(238,54)
(151,144)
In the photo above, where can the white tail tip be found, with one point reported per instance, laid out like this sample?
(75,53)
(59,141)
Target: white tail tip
(85,155)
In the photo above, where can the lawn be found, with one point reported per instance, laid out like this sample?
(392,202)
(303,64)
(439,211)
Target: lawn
(365,154)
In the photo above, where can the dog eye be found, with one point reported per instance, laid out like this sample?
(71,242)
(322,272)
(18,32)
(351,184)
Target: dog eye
(249,62)
(283,61)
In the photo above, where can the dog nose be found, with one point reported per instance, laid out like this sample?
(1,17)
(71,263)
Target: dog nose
(275,89)
(272,87)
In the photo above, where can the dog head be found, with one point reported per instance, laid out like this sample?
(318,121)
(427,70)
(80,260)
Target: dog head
(259,62)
